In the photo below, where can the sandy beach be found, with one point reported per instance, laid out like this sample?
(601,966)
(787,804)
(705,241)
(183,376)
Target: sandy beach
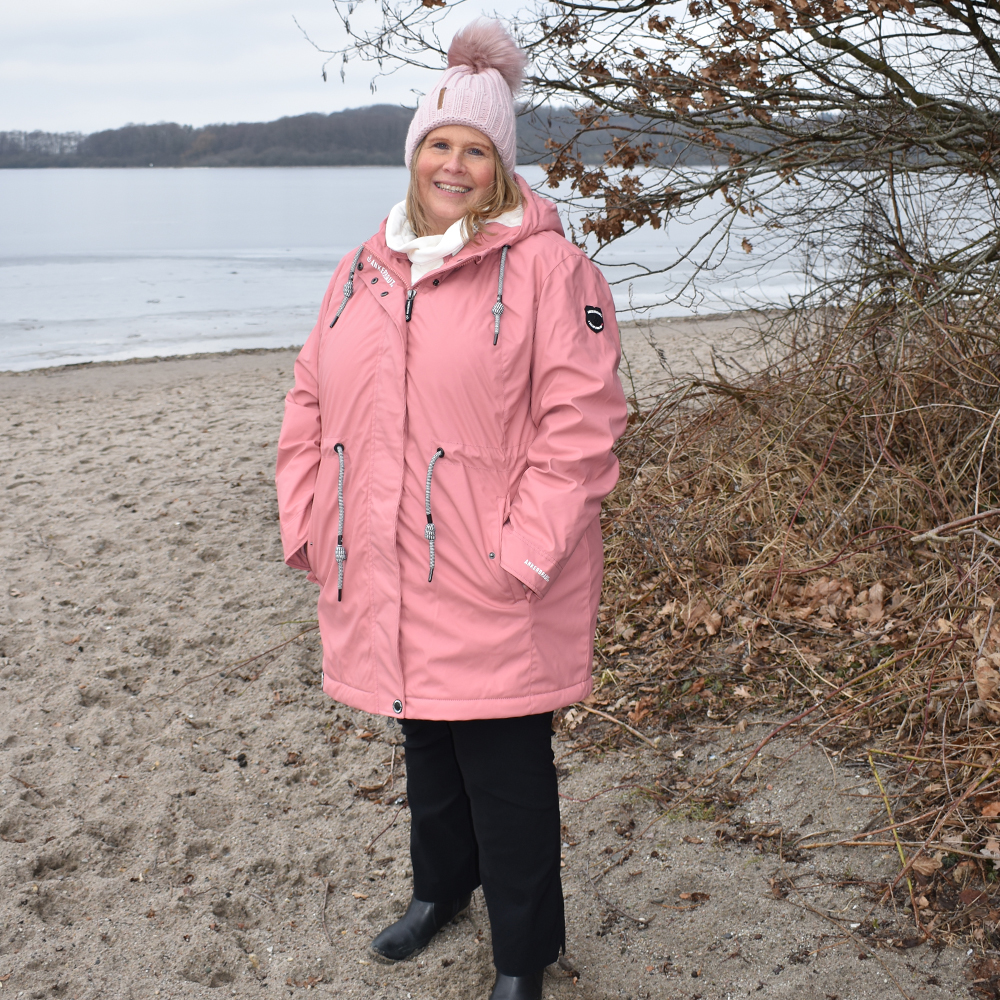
(183,813)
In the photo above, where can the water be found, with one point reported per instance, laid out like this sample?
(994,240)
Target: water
(100,265)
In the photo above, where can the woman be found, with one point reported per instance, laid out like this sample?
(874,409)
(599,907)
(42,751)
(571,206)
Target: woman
(441,467)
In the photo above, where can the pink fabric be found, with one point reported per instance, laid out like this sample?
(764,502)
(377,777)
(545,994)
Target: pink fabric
(484,68)
(526,426)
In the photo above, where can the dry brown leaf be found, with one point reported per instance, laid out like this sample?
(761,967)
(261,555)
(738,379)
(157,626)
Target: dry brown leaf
(695,613)
(991,809)
(987,679)
(696,897)
(926,866)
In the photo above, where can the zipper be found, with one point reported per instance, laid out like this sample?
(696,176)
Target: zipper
(410,296)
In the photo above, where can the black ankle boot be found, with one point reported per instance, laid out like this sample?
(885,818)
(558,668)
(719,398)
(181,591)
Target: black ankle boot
(518,987)
(415,928)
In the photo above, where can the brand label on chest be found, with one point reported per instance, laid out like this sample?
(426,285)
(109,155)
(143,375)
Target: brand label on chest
(382,269)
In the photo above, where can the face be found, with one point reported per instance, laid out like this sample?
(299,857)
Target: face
(454,172)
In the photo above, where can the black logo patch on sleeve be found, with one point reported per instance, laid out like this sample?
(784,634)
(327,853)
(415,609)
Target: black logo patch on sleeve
(594,318)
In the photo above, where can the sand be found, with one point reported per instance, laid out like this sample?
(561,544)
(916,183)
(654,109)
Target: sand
(178,822)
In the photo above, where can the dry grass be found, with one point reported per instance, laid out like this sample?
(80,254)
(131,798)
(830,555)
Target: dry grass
(821,538)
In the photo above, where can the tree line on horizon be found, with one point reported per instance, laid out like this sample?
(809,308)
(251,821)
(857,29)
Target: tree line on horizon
(371,136)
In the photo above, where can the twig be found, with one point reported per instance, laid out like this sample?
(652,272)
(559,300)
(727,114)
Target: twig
(242,663)
(326,899)
(638,921)
(603,791)
(932,760)
(371,843)
(895,837)
(934,536)
(21,781)
(617,722)
(933,845)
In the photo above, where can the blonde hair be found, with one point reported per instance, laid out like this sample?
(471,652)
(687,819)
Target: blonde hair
(503,196)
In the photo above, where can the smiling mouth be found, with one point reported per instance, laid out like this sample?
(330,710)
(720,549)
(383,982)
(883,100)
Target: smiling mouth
(452,188)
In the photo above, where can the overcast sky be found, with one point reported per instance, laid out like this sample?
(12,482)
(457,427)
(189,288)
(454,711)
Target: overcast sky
(67,66)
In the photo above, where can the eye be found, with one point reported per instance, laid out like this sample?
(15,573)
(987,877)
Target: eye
(440,144)
(476,151)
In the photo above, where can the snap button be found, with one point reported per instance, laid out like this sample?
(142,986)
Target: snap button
(383,294)
(492,556)
(397,706)
(361,266)
(374,280)
(436,281)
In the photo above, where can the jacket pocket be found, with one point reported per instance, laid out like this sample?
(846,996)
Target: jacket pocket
(514,587)
(313,546)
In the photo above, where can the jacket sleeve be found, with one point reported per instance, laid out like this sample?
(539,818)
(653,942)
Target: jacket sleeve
(579,411)
(299,445)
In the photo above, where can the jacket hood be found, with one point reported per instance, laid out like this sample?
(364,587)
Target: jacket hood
(540,215)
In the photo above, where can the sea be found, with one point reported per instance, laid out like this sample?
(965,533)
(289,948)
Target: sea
(107,265)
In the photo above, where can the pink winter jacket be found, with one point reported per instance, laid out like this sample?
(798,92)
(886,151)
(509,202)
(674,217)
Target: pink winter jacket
(441,467)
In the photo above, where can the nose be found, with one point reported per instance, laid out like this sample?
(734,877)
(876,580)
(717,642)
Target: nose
(454,162)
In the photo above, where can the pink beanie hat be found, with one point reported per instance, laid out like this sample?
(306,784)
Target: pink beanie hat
(477,89)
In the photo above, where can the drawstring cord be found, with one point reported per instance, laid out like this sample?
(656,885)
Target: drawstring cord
(498,307)
(429,530)
(340,553)
(348,287)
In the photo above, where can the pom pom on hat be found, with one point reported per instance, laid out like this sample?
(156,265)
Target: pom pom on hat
(485,45)
(485,68)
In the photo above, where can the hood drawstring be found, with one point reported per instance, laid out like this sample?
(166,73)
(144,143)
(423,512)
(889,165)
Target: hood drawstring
(349,286)
(429,530)
(340,553)
(498,307)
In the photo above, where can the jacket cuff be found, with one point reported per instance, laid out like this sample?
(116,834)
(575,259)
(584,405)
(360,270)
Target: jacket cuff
(535,568)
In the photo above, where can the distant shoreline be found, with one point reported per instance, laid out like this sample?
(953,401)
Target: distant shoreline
(690,342)
(357,137)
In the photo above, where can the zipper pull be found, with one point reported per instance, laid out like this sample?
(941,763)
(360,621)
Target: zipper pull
(410,296)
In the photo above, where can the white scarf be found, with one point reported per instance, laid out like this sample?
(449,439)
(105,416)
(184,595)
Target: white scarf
(428,253)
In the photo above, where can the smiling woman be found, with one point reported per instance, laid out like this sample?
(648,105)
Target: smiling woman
(455,175)
(441,467)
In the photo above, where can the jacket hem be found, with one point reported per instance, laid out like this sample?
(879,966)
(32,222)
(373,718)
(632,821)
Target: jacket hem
(456,710)
(459,710)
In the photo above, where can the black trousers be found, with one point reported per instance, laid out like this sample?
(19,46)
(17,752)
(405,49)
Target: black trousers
(484,809)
